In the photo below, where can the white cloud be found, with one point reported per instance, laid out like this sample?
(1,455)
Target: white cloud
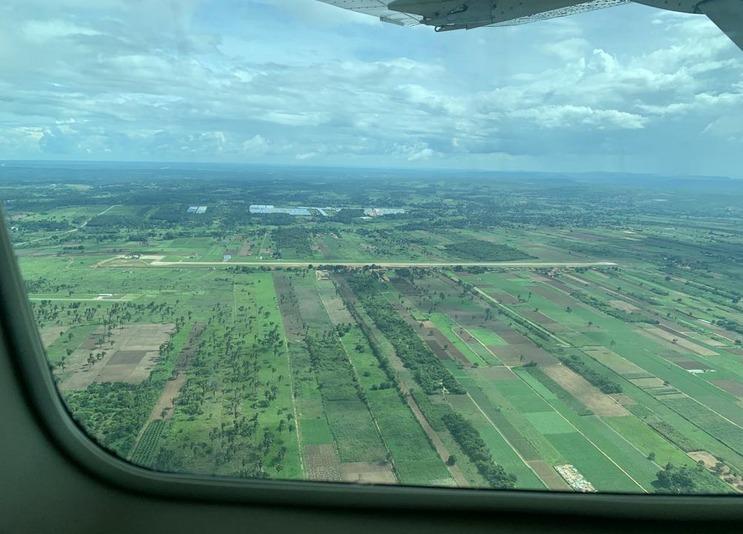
(41,31)
(567,49)
(277,81)
(256,145)
(570,116)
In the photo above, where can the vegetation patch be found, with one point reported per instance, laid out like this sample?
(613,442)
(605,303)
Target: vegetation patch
(480,250)
(113,412)
(474,447)
(599,380)
(607,308)
(430,374)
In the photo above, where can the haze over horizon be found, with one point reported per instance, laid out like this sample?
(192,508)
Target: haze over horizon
(630,89)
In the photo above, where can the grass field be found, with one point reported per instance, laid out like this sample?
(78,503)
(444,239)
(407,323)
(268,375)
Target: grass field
(616,350)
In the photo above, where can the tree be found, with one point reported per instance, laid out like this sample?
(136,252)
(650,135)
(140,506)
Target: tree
(676,480)
(651,456)
(451,460)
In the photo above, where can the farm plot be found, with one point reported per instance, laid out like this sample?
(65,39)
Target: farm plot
(322,463)
(498,437)
(550,427)
(352,430)
(444,345)
(465,344)
(598,402)
(124,354)
(574,405)
(317,447)
(677,339)
(520,415)
(724,430)
(145,450)
(616,363)
(556,421)
(235,413)
(414,459)
(50,334)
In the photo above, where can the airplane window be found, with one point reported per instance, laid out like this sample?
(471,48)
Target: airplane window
(452,244)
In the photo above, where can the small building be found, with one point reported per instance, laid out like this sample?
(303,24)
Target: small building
(268,209)
(261,208)
(381,212)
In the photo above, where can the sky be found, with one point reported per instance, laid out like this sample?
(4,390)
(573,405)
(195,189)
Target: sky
(627,89)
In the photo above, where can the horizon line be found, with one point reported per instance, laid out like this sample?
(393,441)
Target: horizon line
(167,164)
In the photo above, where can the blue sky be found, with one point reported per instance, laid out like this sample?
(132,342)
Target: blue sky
(629,89)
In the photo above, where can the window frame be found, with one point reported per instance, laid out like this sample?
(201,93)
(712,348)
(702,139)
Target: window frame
(20,335)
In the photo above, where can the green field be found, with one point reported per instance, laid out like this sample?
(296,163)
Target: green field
(326,347)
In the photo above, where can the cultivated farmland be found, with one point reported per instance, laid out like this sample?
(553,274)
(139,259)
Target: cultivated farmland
(474,334)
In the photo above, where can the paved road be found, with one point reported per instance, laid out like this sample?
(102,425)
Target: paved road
(399,264)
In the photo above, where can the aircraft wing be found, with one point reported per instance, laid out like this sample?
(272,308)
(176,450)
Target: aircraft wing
(379,9)
(575,8)
(458,14)
(728,15)
(445,15)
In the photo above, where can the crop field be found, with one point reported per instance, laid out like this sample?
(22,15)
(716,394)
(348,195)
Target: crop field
(464,341)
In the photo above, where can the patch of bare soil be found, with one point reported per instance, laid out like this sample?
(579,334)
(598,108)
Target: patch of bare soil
(624,400)
(321,462)
(438,343)
(674,339)
(128,354)
(437,349)
(504,298)
(245,249)
(334,306)
(50,334)
(289,307)
(731,386)
(368,473)
(549,476)
(598,402)
(164,407)
(691,364)
(718,468)
(624,306)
